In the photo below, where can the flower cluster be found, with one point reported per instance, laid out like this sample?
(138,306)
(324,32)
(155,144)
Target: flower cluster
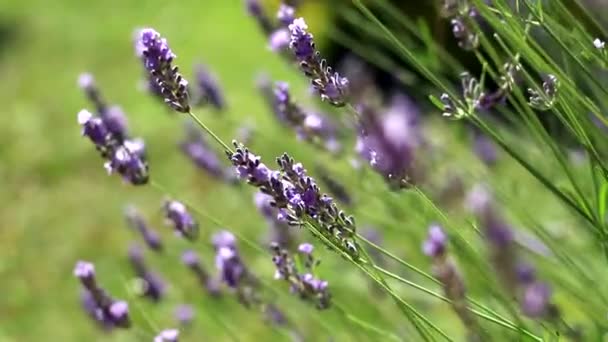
(137,222)
(462,19)
(196,148)
(157,59)
(233,271)
(516,276)
(105,310)
(112,116)
(183,222)
(209,90)
(280,37)
(389,142)
(150,284)
(280,231)
(184,314)
(309,126)
(302,283)
(545,99)
(192,261)
(332,87)
(444,269)
(125,157)
(298,198)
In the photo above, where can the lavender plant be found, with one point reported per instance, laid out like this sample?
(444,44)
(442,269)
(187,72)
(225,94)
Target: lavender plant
(505,297)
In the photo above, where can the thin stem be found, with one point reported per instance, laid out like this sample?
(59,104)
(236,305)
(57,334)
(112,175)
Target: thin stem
(210,132)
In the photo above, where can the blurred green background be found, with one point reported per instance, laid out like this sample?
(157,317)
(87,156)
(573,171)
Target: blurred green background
(58,205)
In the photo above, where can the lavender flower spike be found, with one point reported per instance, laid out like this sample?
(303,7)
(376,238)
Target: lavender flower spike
(184,314)
(109,313)
(209,89)
(137,222)
(453,285)
(169,335)
(191,260)
(332,87)
(152,286)
(182,221)
(196,148)
(157,58)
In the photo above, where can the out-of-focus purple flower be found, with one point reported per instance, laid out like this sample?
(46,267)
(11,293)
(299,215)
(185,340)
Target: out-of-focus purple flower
(208,88)
(453,285)
(137,222)
(94,128)
(279,40)
(108,312)
(87,83)
(390,141)
(152,286)
(190,259)
(536,300)
(434,246)
(302,283)
(223,238)
(306,248)
(232,270)
(309,126)
(182,221)
(332,87)
(119,312)
(255,9)
(279,230)
(157,58)
(124,157)
(196,148)
(184,314)
(485,149)
(169,335)
(285,14)
(112,116)
(128,161)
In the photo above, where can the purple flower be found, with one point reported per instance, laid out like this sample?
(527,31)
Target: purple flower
(109,313)
(128,161)
(157,58)
(435,245)
(279,40)
(329,85)
(116,122)
(137,222)
(223,238)
(291,189)
(255,9)
(200,153)
(94,128)
(119,311)
(228,263)
(169,335)
(190,259)
(536,300)
(312,127)
(390,141)
(301,283)
(182,221)
(153,286)
(184,314)
(485,149)
(285,14)
(208,88)
(305,248)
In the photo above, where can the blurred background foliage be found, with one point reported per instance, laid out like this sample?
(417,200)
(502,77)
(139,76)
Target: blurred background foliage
(59,206)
